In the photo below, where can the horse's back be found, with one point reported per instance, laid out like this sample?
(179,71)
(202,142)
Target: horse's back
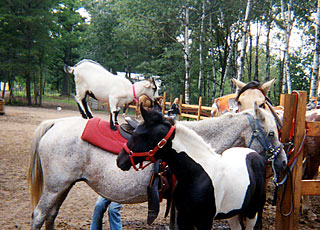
(242,181)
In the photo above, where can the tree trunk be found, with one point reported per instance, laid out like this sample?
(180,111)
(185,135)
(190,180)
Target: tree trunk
(200,49)
(315,68)
(256,70)
(267,76)
(250,55)
(28,88)
(229,63)
(286,85)
(41,83)
(35,88)
(214,72)
(187,57)
(244,42)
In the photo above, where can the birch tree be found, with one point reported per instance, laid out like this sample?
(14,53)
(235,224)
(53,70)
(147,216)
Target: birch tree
(214,72)
(201,49)
(256,70)
(287,27)
(315,67)
(186,56)
(243,42)
(267,75)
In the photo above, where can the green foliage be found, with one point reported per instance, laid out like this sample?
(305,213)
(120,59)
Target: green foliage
(140,36)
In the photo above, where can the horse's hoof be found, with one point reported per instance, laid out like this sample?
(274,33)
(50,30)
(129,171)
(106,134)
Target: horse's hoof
(113,127)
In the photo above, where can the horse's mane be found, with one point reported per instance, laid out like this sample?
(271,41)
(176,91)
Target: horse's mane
(249,85)
(190,142)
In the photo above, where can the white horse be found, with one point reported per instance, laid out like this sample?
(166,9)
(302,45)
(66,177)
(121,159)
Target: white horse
(94,80)
(60,158)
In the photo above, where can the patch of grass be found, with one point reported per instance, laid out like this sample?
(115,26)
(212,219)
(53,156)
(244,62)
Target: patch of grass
(60,99)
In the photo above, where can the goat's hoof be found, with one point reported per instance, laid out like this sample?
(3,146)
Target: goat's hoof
(113,127)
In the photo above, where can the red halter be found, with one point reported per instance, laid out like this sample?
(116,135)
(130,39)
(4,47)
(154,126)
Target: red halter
(149,155)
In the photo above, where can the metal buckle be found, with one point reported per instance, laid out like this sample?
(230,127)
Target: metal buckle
(162,143)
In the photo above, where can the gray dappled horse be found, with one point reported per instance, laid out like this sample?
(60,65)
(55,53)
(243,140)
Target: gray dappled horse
(60,158)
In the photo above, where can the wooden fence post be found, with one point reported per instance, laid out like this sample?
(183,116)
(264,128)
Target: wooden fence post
(164,102)
(291,221)
(199,108)
(180,106)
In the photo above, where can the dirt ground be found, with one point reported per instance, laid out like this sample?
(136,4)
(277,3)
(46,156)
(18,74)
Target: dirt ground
(16,130)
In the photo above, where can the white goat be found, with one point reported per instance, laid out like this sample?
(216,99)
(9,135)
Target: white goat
(94,80)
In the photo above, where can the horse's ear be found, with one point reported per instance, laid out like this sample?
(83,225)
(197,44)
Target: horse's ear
(238,83)
(266,86)
(157,107)
(144,113)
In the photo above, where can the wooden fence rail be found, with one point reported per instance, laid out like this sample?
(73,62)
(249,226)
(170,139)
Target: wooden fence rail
(198,112)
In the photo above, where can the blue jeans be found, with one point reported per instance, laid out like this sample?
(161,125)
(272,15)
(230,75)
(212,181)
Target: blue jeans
(98,213)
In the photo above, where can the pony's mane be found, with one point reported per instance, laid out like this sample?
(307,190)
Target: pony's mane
(190,142)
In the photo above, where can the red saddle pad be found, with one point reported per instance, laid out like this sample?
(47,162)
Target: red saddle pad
(98,133)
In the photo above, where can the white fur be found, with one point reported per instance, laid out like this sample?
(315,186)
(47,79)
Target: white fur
(228,171)
(106,87)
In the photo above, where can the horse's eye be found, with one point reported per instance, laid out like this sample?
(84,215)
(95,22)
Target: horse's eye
(271,134)
(263,106)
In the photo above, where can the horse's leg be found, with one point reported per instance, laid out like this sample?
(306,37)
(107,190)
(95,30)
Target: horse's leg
(55,209)
(173,225)
(185,222)
(250,223)
(311,166)
(48,207)
(234,223)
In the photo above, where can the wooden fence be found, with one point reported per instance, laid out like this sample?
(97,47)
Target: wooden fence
(292,194)
(197,112)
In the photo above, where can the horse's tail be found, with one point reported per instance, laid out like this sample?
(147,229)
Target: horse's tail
(35,175)
(68,69)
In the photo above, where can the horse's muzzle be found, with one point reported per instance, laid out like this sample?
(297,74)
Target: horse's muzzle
(123,161)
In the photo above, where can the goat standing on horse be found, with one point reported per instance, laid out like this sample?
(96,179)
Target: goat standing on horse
(94,80)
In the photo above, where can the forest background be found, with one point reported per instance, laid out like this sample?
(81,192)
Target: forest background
(194,46)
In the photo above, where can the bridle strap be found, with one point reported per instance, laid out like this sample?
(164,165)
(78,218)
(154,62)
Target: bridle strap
(257,133)
(150,154)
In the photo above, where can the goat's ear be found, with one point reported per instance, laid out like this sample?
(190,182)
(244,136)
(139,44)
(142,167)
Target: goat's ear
(266,86)
(239,84)
(147,84)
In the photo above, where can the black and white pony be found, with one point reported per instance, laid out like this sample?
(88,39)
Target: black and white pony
(94,80)
(210,186)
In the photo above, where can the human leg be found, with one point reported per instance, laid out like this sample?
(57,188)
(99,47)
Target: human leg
(114,216)
(98,213)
